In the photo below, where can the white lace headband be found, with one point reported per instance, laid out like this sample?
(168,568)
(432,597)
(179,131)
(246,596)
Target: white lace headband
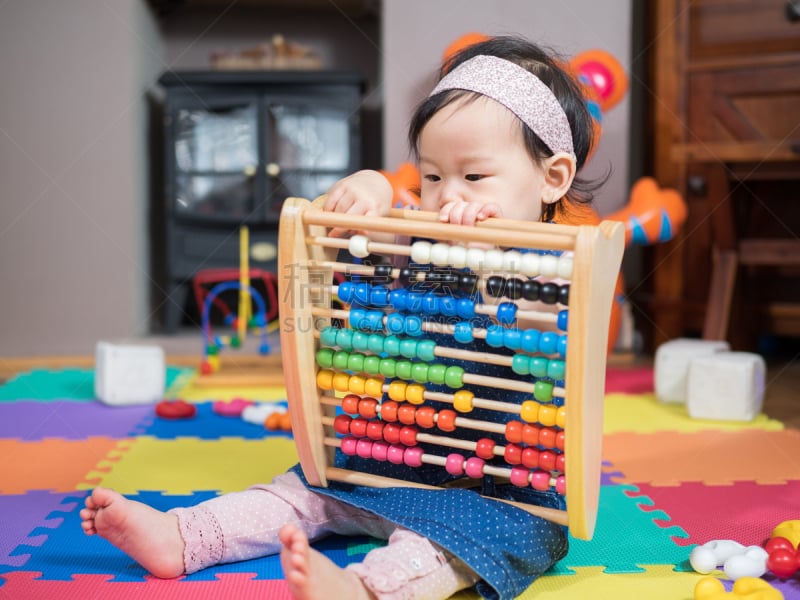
(520,91)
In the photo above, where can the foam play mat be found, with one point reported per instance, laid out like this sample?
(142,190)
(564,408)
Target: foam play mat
(669,483)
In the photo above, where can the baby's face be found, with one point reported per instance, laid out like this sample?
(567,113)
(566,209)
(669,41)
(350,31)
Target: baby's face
(474,152)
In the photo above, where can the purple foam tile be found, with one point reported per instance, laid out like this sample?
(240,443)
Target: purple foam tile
(20,514)
(32,420)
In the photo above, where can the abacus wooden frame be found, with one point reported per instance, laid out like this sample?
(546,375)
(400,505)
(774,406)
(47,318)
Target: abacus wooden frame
(597,256)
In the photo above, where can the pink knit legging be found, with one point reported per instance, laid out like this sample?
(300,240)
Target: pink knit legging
(244,525)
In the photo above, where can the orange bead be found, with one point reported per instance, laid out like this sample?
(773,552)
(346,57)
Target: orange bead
(425,416)
(530,434)
(350,404)
(561,440)
(368,408)
(405,414)
(389,411)
(514,432)
(273,421)
(446,420)
(286,421)
(547,437)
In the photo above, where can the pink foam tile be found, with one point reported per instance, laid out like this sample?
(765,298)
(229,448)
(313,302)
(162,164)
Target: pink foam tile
(23,585)
(629,380)
(743,511)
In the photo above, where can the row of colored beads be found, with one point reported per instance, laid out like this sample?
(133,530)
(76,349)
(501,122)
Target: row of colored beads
(473,467)
(344,382)
(405,300)
(451,376)
(527,289)
(351,339)
(546,414)
(527,340)
(379,450)
(533,435)
(538,366)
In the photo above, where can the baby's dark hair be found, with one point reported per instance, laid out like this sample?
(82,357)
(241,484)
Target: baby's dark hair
(547,68)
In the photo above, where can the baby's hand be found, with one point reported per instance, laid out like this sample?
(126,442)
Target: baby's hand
(362,193)
(468,213)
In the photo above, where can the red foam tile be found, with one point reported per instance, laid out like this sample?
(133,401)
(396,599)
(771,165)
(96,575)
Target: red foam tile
(23,585)
(633,380)
(744,511)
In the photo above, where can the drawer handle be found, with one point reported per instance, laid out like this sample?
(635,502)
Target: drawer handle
(792,11)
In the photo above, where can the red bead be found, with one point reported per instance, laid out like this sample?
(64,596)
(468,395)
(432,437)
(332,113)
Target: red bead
(405,414)
(446,420)
(514,432)
(778,543)
(519,476)
(350,404)
(349,446)
(484,448)
(364,448)
(560,440)
(391,433)
(454,464)
(389,411)
(530,434)
(547,460)
(513,454)
(547,437)
(206,368)
(367,408)
(375,430)
(175,409)
(425,416)
(395,454)
(782,562)
(530,457)
(561,463)
(341,424)
(358,427)
(408,436)
(540,480)
(380,450)
(413,457)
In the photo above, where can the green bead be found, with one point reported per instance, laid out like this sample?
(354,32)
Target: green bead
(419,372)
(360,341)
(408,348)
(355,362)
(538,366)
(454,377)
(344,339)
(372,365)
(375,343)
(425,350)
(236,341)
(391,345)
(520,364)
(436,373)
(543,391)
(403,369)
(327,337)
(212,350)
(388,367)
(556,369)
(325,358)
(340,360)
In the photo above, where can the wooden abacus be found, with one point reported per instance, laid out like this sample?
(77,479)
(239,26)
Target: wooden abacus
(555,444)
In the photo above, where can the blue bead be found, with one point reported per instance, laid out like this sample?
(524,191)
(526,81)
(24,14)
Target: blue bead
(360,341)
(413,325)
(395,323)
(345,292)
(466,308)
(414,302)
(327,337)
(520,364)
(263,349)
(361,294)
(562,346)
(375,344)
(448,306)
(430,304)
(530,340)
(463,332)
(391,345)
(512,338)
(506,313)
(425,350)
(548,342)
(398,299)
(375,320)
(494,336)
(357,315)
(379,296)
(563,320)
(408,348)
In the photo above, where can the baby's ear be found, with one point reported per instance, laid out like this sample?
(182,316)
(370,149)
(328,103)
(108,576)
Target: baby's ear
(559,171)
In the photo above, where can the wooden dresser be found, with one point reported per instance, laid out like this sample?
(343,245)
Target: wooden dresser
(724,98)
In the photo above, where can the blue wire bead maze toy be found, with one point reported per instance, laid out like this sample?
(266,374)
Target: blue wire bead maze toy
(376,381)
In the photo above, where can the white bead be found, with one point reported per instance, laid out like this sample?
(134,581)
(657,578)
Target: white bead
(494,260)
(421,252)
(359,246)
(565,266)
(512,261)
(751,563)
(475,258)
(457,257)
(530,264)
(549,265)
(440,253)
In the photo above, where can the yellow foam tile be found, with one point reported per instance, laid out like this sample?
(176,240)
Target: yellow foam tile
(186,465)
(658,582)
(643,413)
(190,392)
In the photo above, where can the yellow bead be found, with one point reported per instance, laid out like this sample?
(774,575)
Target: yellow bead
(561,417)
(547,414)
(357,384)
(397,390)
(373,387)
(341,382)
(325,379)
(529,411)
(462,401)
(415,393)
(214,362)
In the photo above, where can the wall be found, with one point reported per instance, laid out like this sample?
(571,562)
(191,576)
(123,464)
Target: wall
(73,244)
(416,32)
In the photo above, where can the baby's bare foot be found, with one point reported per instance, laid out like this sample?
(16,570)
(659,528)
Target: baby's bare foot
(313,576)
(150,537)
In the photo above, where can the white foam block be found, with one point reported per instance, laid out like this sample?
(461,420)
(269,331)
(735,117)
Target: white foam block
(128,374)
(727,386)
(672,365)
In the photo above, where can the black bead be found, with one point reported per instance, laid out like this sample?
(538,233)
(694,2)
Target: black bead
(495,285)
(530,290)
(549,293)
(514,288)
(467,283)
(405,275)
(383,273)
(563,294)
